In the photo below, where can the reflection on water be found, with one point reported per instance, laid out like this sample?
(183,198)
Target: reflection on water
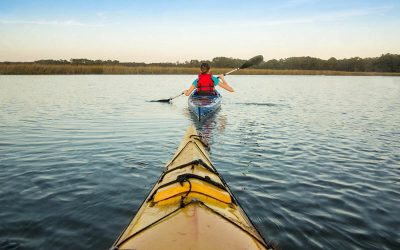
(313,160)
(213,123)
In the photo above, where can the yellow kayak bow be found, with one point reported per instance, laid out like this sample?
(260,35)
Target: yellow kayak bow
(190,207)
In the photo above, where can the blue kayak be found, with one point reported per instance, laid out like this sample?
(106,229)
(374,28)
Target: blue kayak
(204,105)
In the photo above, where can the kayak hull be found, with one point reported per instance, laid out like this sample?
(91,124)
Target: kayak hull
(204,106)
(190,207)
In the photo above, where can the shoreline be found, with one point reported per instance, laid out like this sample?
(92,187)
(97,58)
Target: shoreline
(40,69)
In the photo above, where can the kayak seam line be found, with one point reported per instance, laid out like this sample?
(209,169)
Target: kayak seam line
(176,156)
(199,113)
(146,227)
(240,227)
(201,139)
(205,156)
(183,205)
(201,151)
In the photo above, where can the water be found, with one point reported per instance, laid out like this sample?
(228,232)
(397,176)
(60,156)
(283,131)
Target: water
(314,160)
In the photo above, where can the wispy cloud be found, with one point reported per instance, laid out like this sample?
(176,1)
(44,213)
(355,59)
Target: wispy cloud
(51,22)
(351,13)
(109,13)
(276,22)
(292,4)
(331,16)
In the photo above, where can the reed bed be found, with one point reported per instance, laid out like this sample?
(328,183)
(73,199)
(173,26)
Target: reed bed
(43,69)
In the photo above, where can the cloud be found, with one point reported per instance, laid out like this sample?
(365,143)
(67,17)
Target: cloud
(51,22)
(293,3)
(276,22)
(111,13)
(346,14)
(330,16)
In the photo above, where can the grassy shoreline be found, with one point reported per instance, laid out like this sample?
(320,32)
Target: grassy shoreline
(42,69)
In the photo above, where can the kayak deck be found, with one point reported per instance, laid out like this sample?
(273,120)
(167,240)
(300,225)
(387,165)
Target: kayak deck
(202,106)
(190,207)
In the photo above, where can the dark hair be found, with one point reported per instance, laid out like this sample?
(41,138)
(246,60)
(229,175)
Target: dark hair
(204,67)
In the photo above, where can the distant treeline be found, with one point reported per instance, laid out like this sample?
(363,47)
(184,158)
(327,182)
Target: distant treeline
(384,63)
(387,63)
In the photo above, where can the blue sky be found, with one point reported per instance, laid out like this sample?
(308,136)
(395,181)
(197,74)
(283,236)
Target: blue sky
(169,31)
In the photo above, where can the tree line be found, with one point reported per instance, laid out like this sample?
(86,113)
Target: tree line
(384,63)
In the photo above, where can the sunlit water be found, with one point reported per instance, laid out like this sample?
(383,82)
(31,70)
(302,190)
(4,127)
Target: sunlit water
(314,160)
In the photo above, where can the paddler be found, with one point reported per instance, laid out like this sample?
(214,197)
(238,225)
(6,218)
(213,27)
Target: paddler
(205,83)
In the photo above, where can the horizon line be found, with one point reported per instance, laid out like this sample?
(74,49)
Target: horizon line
(200,60)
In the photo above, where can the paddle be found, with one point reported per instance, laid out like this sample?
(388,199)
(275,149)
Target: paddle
(167,100)
(251,62)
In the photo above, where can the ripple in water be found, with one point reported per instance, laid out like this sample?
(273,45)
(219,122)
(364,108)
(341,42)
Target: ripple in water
(313,160)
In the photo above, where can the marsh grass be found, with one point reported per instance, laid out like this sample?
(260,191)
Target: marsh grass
(42,69)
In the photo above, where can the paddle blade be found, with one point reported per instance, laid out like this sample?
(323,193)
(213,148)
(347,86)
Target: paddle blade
(253,61)
(167,100)
(162,100)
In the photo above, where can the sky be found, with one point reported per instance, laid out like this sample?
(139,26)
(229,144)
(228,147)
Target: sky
(182,30)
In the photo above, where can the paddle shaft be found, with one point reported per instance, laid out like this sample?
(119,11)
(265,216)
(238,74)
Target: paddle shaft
(230,72)
(176,96)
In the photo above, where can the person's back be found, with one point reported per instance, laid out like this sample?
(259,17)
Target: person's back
(205,83)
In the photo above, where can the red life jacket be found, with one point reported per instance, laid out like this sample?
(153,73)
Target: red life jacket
(205,85)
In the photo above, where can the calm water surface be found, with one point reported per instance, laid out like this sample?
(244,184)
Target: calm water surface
(314,160)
